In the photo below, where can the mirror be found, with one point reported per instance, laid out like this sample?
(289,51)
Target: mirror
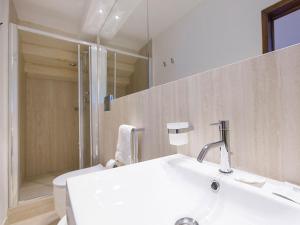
(188,37)
(126,74)
(125,34)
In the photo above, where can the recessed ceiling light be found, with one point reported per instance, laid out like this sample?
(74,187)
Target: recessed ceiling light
(117,17)
(100,11)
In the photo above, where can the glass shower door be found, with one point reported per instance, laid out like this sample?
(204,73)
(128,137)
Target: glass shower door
(92,78)
(84,106)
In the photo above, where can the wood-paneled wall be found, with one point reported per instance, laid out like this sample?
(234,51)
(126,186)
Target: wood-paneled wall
(48,99)
(51,126)
(259,96)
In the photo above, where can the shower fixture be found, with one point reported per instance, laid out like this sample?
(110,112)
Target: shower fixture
(107,102)
(73,64)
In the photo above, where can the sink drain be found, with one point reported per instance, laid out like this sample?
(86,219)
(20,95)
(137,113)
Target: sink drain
(186,221)
(215,186)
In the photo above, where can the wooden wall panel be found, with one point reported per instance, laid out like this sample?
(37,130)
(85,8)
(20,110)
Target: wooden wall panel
(259,96)
(51,126)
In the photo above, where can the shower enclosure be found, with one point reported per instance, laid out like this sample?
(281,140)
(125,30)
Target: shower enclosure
(56,88)
(54,108)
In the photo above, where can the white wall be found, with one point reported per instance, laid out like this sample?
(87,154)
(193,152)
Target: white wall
(4,14)
(215,33)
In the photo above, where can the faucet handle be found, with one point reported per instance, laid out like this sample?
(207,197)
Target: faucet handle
(215,124)
(223,124)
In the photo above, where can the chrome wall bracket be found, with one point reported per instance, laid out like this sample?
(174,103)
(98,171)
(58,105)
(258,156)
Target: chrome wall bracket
(180,130)
(135,140)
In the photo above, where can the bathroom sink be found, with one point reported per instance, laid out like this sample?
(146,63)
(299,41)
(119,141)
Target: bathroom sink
(164,190)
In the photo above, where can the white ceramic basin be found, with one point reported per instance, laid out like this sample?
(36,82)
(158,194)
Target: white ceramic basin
(161,191)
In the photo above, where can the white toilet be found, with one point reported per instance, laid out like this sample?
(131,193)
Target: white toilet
(63,221)
(59,187)
(126,153)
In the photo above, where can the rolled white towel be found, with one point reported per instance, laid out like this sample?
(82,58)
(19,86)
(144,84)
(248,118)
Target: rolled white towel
(125,144)
(111,164)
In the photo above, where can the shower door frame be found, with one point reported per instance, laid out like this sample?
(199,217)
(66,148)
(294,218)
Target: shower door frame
(81,142)
(13,142)
(96,52)
(97,91)
(14,148)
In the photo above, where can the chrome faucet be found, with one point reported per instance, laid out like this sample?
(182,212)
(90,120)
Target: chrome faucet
(223,145)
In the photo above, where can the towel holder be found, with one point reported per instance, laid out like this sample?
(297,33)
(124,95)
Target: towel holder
(135,141)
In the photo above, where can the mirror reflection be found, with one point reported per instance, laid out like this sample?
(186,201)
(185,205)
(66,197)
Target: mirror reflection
(126,74)
(196,35)
(70,55)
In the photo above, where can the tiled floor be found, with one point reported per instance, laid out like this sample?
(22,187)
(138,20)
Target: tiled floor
(33,212)
(38,186)
(50,218)
(35,208)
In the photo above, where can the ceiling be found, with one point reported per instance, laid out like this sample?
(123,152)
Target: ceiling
(63,15)
(83,17)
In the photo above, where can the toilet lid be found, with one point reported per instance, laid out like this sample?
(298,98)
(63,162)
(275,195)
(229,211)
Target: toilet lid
(63,221)
(61,180)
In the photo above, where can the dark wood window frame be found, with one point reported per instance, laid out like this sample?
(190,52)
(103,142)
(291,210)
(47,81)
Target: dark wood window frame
(272,13)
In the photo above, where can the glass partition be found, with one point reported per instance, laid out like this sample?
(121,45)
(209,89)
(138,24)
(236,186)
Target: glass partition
(125,34)
(126,74)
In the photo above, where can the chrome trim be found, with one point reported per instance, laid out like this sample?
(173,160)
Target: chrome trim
(135,140)
(284,197)
(55,36)
(95,103)
(80,111)
(186,221)
(13,142)
(215,186)
(180,130)
(207,147)
(120,52)
(90,90)
(77,41)
(115,75)
(223,145)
